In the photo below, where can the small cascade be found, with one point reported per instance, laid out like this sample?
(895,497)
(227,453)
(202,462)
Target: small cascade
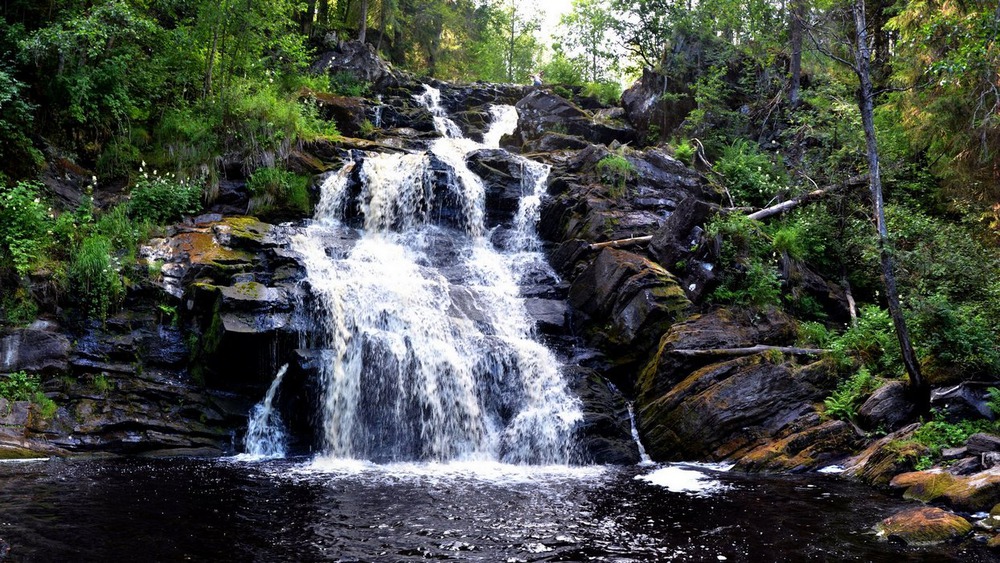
(426,348)
(644,458)
(265,432)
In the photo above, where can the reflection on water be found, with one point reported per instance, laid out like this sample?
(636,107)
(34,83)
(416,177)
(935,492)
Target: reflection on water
(326,510)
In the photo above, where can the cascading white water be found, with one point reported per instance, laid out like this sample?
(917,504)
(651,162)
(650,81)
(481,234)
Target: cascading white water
(265,432)
(426,348)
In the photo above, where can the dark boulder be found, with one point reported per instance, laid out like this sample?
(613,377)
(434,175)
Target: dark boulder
(542,111)
(961,401)
(506,179)
(819,444)
(890,408)
(360,61)
(629,300)
(652,114)
(981,443)
(718,329)
(349,113)
(681,232)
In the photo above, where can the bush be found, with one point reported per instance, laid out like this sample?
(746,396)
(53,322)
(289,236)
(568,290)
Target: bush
(344,83)
(938,434)
(274,189)
(24,226)
(162,199)
(749,174)
(684,152)
(615,170)
(956,337)
(844,402)
(608,93)
(872,341)
(750,278)
(94,277)
(19,386)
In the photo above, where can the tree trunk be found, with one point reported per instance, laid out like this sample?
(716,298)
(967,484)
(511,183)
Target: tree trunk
(363,21)
(862,57)
(323,13)
(308,17)
(798,14)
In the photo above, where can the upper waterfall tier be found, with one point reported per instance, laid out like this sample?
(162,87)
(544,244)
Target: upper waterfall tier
(427,350)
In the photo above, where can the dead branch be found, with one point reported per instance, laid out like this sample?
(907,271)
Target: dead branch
(621,242)
(749,351)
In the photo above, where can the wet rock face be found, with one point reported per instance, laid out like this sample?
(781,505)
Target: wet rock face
(506,181)
(972,493)
(727,409)
(628,300)
(605,434)
(36,351)
(923,525)
(648,111)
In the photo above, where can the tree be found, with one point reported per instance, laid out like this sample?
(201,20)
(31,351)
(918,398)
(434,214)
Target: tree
(947,57)
(862,67)
(587,30)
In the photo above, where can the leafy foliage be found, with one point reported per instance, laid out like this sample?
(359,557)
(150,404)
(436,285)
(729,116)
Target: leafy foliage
(19,386)
(160,199)
(615,170)
(274,189)
(844,402)
(23,225)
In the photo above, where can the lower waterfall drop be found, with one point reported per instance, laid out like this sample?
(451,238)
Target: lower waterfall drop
(426,349)
(265,436)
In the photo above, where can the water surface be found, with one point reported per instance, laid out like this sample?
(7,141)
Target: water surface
(301,510)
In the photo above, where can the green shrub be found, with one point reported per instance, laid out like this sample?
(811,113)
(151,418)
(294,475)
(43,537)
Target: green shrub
(750,277)
(162,199)
(18,308)
(94,277)
(684,151)
(46,406)
(814,334)
(274,189)
(750,176)
(843,403)
(19,386)
(938,433)
(615,170)
(872,341)
(608,93)
(346,84)
(24,226)
(956,336)
(101,383)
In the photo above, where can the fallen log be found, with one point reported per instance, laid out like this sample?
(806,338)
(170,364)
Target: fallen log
(792,350)
(621,242)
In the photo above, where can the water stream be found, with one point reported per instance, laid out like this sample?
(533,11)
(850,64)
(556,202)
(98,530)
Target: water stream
(427,349)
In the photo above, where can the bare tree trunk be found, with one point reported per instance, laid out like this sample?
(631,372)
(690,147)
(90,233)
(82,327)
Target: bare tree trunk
(862,58)
(323,13)
(363,21)
(308,17)
(798,14)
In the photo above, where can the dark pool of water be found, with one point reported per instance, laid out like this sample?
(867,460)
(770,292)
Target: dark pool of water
(180,510)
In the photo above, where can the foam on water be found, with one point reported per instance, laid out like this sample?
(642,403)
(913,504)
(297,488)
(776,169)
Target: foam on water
(684,479)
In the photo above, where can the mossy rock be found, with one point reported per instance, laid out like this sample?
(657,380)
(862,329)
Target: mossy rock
(924,486)
(923,525)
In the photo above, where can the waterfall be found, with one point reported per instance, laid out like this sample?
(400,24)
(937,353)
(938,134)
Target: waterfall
(265,432)
(644,458)
(426,349)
